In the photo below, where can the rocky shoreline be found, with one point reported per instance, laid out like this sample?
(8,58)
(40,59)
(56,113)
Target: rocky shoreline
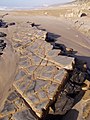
(48,80)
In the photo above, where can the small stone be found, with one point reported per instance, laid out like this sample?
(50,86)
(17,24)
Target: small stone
(83,14)
(13,23)
(1,41)
(2,34)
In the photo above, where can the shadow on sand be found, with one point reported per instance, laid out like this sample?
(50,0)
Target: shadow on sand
(84,58)
(71,115)
(52,38)
(53,35)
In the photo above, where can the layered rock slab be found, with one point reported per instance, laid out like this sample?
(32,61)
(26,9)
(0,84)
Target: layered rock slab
(34,42)
(15,108)
(40,87)
(41,73)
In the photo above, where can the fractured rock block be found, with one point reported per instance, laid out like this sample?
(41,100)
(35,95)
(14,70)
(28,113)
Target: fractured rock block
(41,73)
(64,62)
(13,104)
(62,105)
(41,87)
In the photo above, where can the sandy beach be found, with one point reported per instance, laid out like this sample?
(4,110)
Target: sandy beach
(62,23)
(65,25)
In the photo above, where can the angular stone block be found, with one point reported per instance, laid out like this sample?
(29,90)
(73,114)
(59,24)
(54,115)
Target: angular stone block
(41,74)
(42,87)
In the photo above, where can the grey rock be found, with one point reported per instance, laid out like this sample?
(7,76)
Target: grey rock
(24,115)
(63,104)
(2,34)
(78,76)
(83,14)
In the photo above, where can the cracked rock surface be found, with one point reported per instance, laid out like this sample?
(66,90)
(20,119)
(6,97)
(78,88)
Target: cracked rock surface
(44,78)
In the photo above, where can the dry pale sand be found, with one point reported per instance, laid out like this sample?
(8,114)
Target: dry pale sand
(59,28)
